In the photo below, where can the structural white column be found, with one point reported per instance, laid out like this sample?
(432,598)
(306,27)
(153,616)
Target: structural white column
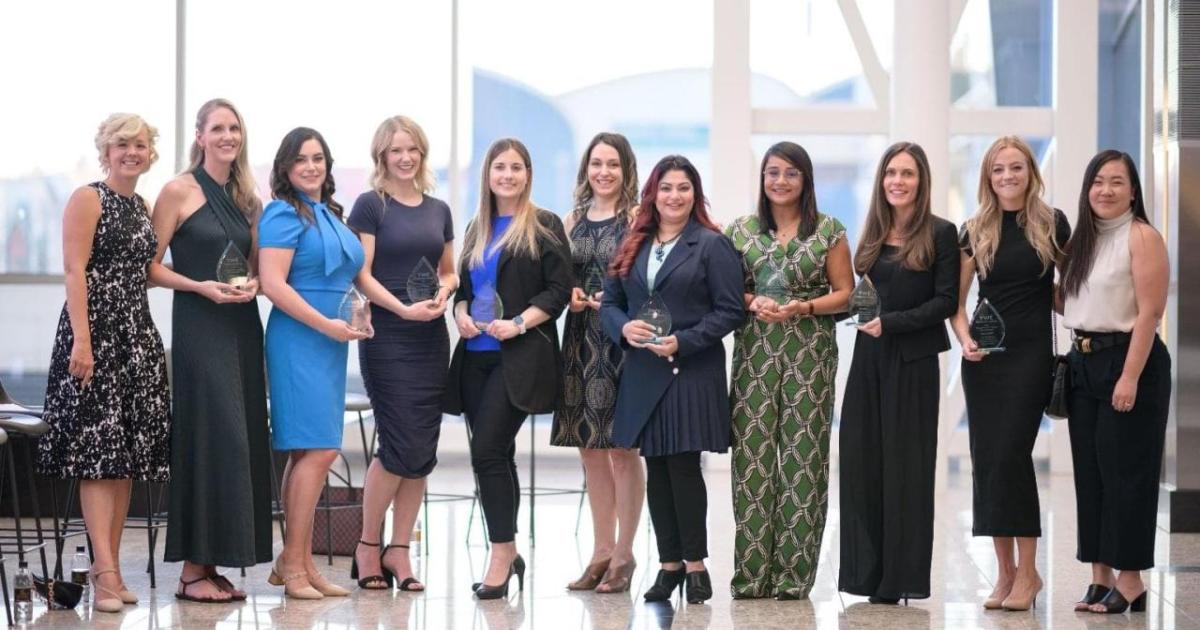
(733,186)
(920,91)
(920,112)
(1076,48)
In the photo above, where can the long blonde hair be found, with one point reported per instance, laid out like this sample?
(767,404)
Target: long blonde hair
(521,237)
(1036,217)
(382,141)
(240,175)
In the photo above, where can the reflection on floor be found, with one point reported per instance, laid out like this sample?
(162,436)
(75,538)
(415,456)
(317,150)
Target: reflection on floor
(454,556)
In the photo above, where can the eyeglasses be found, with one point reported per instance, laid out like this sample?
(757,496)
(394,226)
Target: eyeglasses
(774,175)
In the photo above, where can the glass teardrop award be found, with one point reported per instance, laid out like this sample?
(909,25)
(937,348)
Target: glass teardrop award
(864,303)
(771,282)
(655,313)
(353,310)
(486,306)
(593,281)
(422,282)
(987,328)
(232,267)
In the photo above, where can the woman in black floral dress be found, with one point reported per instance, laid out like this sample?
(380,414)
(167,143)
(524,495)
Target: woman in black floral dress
(107,402)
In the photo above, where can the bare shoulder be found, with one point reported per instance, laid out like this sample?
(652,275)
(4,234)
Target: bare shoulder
(1145,239)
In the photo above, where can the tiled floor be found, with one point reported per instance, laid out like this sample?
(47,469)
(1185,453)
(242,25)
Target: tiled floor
(962,570)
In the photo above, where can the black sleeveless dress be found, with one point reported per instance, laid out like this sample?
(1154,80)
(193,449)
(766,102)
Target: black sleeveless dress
(220,508)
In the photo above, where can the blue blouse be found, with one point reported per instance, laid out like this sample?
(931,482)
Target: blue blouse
(327,255)
(483,285)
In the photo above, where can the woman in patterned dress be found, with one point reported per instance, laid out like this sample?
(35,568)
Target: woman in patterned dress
(784,364)
(107,402)
(606,191)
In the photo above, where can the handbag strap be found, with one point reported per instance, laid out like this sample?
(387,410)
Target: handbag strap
(1053,332)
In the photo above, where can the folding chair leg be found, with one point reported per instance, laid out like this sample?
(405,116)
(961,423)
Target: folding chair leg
(151,535)
(4,587)
(37,507)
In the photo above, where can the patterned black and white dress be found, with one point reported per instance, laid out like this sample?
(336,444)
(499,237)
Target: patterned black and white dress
(591,361)
(119,426)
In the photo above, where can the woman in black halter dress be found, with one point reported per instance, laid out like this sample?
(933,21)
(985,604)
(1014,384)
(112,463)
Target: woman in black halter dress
(220,506)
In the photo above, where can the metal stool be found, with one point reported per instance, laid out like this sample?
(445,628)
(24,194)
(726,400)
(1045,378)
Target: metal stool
(24,425)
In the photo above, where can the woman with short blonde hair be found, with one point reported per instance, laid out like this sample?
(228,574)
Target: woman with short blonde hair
(107,402)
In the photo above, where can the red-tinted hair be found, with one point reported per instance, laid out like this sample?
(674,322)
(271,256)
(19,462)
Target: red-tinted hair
(646,223)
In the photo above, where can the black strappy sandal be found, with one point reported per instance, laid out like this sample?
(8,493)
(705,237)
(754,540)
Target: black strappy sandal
(223,583)
(183,595)
(405,584)
(371,582)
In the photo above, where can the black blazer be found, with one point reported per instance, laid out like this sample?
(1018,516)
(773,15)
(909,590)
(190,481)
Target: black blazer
(531,362)
(919,302)
(702,285)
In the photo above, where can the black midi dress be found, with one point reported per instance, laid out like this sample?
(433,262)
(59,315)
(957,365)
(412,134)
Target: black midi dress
(1006,392)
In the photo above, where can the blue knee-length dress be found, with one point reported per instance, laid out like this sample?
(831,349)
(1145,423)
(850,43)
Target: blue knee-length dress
(306,368)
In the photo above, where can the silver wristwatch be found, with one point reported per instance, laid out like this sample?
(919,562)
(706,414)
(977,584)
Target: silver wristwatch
(520,322)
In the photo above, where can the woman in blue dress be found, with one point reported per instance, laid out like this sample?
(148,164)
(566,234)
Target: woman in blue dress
(307,261)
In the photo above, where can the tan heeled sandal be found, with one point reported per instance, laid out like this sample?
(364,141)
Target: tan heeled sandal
(325,587)
(592,576)
(617,579)
(112,604)
(306,592)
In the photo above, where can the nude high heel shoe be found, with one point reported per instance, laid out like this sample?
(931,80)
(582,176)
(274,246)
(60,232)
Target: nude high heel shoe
(112,604)
(297,592)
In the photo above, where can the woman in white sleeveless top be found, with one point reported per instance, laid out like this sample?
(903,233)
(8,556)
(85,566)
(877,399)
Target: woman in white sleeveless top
(1115,289)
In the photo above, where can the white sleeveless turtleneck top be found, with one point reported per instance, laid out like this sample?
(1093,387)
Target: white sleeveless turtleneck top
(1106,302)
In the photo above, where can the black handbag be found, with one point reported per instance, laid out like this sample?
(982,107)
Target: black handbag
(59,595)
(1060,378)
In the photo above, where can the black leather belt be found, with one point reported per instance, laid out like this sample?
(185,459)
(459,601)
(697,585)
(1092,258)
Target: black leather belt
(1089,342)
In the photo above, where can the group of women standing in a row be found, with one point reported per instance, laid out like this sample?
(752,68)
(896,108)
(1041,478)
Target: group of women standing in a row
(618,387)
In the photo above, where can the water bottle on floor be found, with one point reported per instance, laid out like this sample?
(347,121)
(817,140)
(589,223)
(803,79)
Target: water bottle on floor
(23,594)
(415,547)
(80,570)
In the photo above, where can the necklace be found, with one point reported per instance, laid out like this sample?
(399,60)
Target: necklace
(659,244)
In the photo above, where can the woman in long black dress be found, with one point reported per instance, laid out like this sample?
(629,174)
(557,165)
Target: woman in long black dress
(107,403)
(606,195)
(1013,243)
(890,411)
(220,508)
(403,366)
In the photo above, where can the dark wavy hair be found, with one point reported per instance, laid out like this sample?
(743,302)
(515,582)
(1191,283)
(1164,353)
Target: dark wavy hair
(645,223)
(796,156)
(1080,252)
(281,186)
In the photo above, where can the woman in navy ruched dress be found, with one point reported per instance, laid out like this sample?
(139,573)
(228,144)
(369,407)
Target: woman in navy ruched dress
(307,261)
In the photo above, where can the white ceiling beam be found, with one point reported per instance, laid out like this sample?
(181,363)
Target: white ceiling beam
(877,77)
(819,120)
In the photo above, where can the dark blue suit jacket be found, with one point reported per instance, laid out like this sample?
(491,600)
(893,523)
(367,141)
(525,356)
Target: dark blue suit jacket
(702,285)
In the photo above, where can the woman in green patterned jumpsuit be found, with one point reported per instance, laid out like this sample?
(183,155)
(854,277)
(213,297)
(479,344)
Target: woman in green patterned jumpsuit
(798,273)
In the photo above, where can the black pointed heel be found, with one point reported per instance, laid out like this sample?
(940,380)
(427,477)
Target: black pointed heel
(366,582)
(517,568)
(665,585)
(699,587)
(1115,603)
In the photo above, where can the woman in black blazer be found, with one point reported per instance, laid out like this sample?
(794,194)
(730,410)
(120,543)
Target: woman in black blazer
(890,411)
(507,364)
(672,402)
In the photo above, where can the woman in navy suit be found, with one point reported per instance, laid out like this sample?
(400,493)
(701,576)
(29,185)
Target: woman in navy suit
(672,402)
